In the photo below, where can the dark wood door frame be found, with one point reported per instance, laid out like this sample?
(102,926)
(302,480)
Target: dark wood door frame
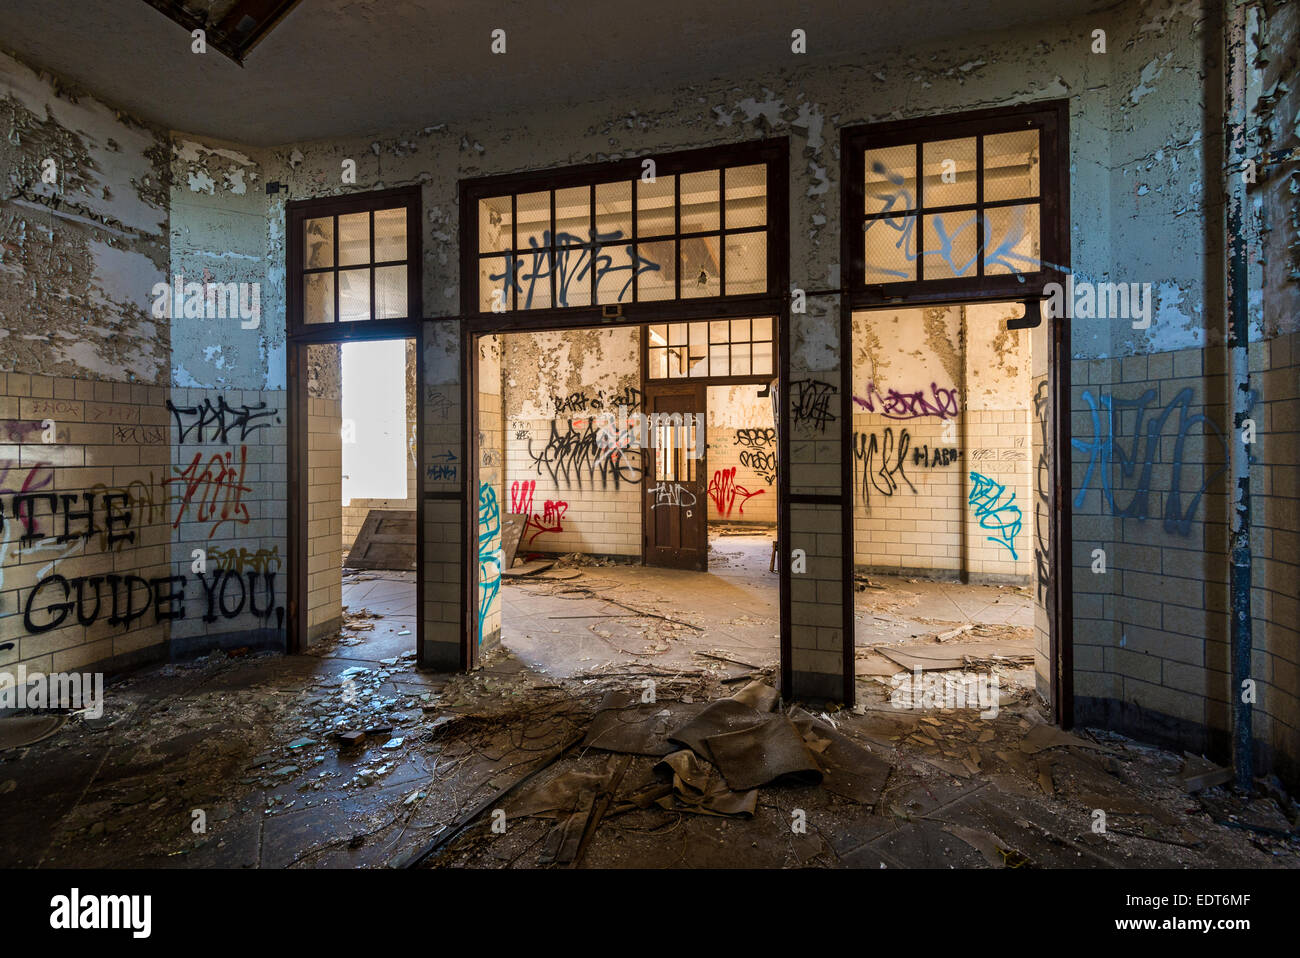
(471,332)
(699,391)
(1053,118)
(296,402)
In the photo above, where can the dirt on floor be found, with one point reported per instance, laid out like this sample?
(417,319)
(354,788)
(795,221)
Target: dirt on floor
(243,760)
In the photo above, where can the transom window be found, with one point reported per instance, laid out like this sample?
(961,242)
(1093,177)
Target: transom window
(680,236)
(720,347)
(966,203)
(355,258)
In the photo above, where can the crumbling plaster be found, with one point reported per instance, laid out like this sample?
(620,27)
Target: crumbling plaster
(83,234)
(1135,161)
(1136,166)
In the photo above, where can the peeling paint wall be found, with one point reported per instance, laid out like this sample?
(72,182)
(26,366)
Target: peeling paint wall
(223,232)
(83,234)
(91,408)
(1145,195)
(575,496)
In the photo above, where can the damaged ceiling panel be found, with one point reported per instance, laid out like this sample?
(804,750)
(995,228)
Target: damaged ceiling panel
(233,27)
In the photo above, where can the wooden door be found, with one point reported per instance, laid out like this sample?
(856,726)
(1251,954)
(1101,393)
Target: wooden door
(675,511)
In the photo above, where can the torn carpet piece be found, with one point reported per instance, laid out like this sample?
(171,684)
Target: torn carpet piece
(849,770)
(698,788)
(769,752)
(557,797)
(624,724)
(724,715)
(758,695)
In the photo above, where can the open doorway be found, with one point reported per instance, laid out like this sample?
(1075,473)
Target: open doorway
(361,499)
(948,423)
(612,534)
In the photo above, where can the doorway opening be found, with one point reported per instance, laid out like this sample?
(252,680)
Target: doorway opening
(361,494)
(618,528)
(951,509)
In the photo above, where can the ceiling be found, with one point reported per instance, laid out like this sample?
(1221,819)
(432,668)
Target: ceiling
(334,68)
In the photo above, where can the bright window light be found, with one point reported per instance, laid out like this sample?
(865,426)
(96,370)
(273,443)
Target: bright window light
(374,420)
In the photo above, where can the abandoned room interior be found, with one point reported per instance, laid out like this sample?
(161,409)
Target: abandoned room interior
(861,437)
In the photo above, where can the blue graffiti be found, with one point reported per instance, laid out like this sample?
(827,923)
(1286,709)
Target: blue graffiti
(1104,451)
(490,559)
(1001,516)
(904,220)
(572,261)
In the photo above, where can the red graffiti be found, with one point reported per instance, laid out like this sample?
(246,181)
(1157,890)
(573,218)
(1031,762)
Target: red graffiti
(216,492)
(521,497)
(548,521)
(40,476)
(521,503)
(723,491)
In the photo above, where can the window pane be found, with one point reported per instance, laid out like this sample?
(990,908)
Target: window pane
(354,294)
(700,267)
(891,179)
(318,298)
(573,216)
(951,245)
(614,273)
(699,361)
(390,292)
(718,331)
(390,235)
(889,250)
(740,330)
(318,243)
(677,334)
(534,279)
(719,363)
(1012,241)
(949,173)
(700,201)
(573,268)
(534,212)
(658,335)
(746,263)
(1011,165)
(354,240)
(494,277)
(762,359)
(746,196)
(655,201)
(656,277)
(614,211)
(762,328)
(659,364)
(494,228)
(740,359)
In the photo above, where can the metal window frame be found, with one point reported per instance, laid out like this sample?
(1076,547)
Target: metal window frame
(1052,118)
(297,212)
(300,337)
(773,153)
(712,380)
(475,324)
